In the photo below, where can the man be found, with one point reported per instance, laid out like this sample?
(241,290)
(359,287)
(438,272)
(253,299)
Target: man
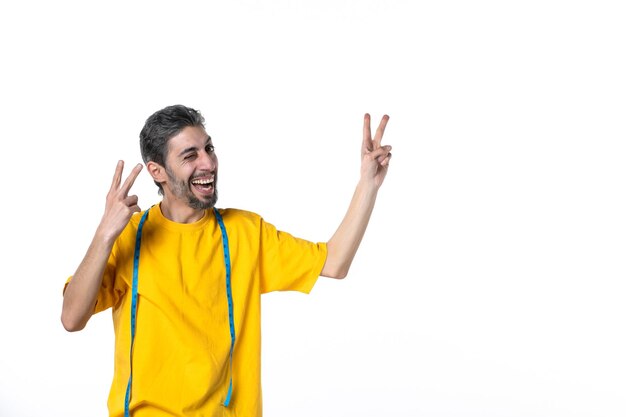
(184,279)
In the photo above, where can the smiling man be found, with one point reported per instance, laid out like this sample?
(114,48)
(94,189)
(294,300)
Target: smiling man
(184,278)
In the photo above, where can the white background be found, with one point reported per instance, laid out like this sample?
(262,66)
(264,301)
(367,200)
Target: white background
(491,279)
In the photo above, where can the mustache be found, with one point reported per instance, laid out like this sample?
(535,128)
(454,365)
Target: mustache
(204,174)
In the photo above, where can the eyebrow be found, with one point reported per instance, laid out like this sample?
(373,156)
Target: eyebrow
(193,148)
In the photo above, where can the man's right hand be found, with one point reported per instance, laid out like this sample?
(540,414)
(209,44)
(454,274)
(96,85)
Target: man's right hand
(119,205)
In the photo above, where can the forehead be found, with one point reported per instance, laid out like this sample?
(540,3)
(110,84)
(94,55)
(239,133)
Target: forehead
(188,138)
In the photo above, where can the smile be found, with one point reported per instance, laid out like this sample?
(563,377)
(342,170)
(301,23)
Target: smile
(204,185)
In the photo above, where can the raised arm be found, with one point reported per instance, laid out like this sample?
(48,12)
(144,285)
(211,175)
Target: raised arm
(374,164)
(80,295)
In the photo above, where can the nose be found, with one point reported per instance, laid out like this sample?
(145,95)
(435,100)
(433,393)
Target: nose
(207,161)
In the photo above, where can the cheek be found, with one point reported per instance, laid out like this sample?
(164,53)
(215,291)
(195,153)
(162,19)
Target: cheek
(182,173)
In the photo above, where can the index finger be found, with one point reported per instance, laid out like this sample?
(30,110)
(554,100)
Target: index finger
(131,179)
(117,177)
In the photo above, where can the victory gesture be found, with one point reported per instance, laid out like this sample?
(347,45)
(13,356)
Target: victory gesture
(374,157)
(119,205)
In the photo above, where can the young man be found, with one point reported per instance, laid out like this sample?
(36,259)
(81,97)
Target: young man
(184,279)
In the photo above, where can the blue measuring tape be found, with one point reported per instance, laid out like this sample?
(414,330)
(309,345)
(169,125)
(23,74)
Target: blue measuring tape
(133,311)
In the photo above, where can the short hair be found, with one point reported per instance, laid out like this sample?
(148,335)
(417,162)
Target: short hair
(161,127)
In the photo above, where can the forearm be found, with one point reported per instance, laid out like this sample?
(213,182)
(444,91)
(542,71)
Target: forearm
(343,245)
(81,292)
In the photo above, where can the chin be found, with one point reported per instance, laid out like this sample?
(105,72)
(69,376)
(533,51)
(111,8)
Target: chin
(204,203)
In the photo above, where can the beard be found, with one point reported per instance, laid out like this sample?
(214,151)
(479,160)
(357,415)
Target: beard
(182,190)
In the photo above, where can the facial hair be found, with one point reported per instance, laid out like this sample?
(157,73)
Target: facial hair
(182,190)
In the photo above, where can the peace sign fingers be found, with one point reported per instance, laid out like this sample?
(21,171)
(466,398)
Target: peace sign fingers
(369,144)
(117,179)
(374,156)
(119,205)
(131,179)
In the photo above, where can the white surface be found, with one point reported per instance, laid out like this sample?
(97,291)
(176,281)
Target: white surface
(491,279)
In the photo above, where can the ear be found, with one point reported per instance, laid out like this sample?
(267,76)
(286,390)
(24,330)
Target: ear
(156,171)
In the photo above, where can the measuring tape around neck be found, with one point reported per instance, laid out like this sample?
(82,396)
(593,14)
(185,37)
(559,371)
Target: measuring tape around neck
(133,311)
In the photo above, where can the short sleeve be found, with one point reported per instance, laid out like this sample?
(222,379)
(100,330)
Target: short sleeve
(108,295)
(288,263)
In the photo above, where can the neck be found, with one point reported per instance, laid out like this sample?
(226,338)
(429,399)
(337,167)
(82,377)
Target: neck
(179,212)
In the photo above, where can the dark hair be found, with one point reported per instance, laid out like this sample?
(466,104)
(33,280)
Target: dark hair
(161,127)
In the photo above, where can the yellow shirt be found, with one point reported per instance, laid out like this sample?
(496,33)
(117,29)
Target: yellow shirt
(181,362)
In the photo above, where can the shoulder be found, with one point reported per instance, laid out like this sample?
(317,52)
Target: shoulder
(125,242)
(238,216)
(130,231)
(135,220)
(245,222)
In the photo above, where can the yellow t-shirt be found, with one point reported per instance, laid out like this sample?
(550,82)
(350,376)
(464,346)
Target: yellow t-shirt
(181,362)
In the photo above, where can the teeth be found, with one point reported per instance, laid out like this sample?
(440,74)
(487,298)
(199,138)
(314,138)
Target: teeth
(202,182)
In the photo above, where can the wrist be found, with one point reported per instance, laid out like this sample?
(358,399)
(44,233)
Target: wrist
(367,185)
(104,237)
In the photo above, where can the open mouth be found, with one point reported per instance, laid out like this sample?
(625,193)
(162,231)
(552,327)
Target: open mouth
(204,185)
